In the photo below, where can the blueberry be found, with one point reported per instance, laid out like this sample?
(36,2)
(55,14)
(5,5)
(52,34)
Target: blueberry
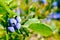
(18,26)
(54,4)
(44,1)
(55,16)
(11,29)
(12,22)
(18,19)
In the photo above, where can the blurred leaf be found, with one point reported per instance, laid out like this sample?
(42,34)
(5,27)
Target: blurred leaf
(1,15)
(23,6)
(2,31)
(13,5)
(43,29)
(2,10)
(1,19)
(1,27)
(33,8)
(1,34)
(7,1)
(11,13)
(53,26)
(47,8)
(30,21)
(27,1)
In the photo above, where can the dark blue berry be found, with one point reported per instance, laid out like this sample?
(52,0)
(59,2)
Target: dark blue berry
(54,4)
(18,26)
(18,19)
(12,22)
(11,29)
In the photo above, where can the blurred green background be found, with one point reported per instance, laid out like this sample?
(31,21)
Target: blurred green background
(28,10)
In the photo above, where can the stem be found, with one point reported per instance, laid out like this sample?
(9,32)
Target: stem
(7,36)
(18,31)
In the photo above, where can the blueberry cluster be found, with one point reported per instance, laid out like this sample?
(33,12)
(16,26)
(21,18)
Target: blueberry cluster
(14,23)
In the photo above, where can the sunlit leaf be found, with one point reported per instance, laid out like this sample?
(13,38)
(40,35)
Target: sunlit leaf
(30,21)
(13,5)
(11,13)
(43,29)
(2,10)
(1,27)
(1,15)
(53,26)
(1,19)
(7,1)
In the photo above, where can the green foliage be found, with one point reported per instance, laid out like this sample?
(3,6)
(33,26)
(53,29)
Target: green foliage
(27,1)
(33,9)
(2,10)
(34,24)
(13,5)
(30,21)
(43,29)
(7,1)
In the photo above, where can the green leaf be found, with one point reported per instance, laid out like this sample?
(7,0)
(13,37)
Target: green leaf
(53,26)
(11,13)
(27,1)
(1,27)
(30,21)
(43,29)
(2,10)
(1,19)
(7,1)
(13,5)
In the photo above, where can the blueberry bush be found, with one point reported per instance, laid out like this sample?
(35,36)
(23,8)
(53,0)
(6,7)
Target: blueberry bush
(29,20)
